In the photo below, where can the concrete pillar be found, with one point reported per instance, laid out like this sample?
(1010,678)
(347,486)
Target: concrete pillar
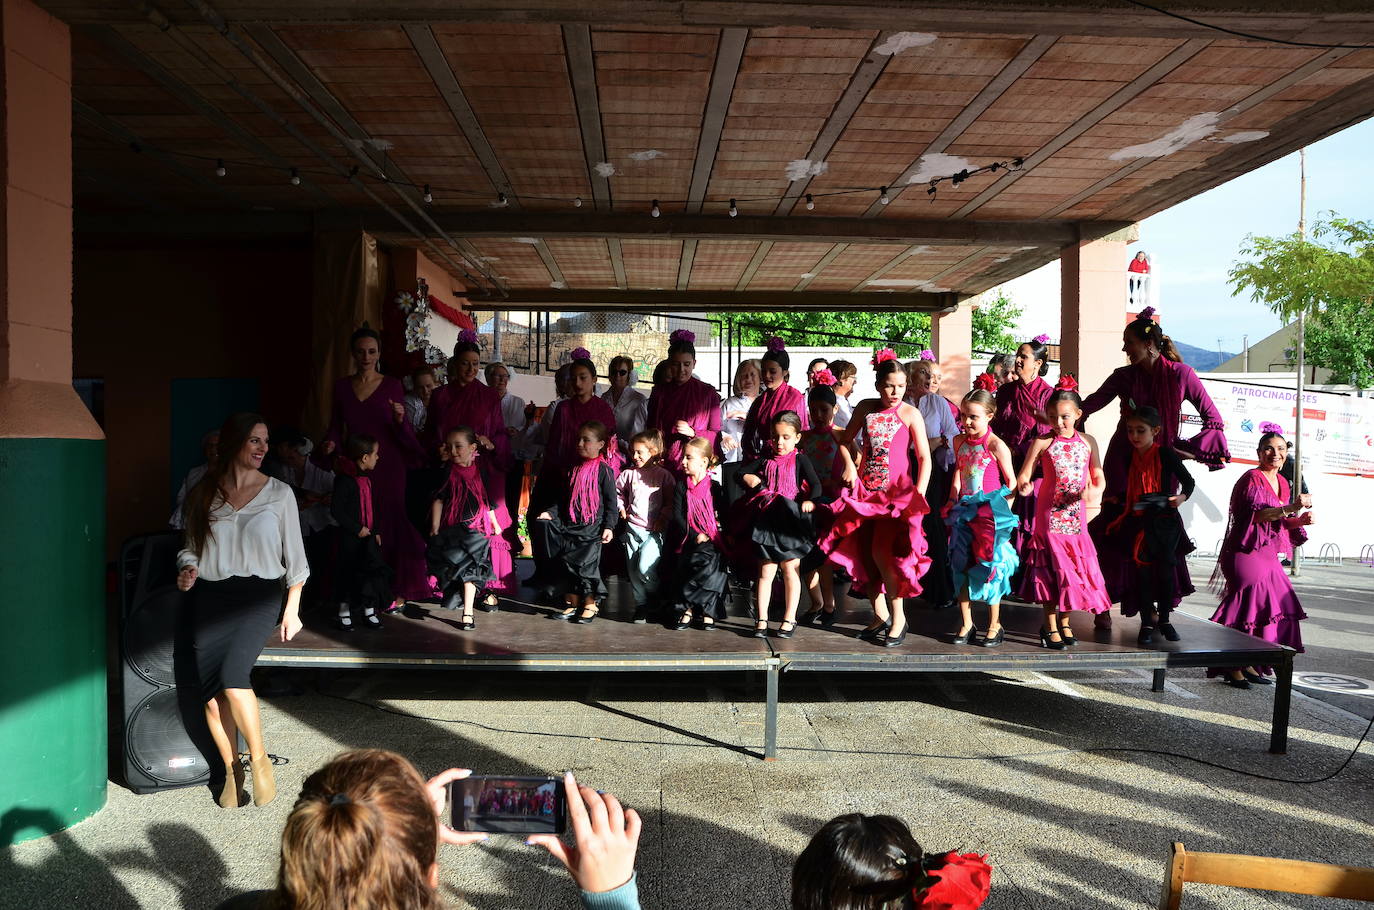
(52,459)
(951,339)
(1092,316)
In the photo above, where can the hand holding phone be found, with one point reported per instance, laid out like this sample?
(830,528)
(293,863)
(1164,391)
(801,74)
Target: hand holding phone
(438,788)
(606,835)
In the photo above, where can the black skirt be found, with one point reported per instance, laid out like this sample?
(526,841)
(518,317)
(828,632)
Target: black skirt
(230,622)
(458,554)
(575,552)
(700,582)
(779,529)
(363,576)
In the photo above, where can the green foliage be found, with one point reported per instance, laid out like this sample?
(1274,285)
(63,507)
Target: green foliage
(1330,279)
(906,333)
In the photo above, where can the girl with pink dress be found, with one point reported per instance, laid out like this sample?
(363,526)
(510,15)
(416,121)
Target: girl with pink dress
(1061,570)
(1257,596)
(876,535)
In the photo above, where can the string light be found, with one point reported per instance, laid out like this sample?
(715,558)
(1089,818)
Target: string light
(654,209)
(883,197)
(577,203)
(219,167)
(810,203)
(295,178)
(734,209)
(501,200)
(428,196)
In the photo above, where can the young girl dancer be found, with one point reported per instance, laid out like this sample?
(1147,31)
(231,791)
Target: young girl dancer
(1147,531)
(1061,569)
(785,488)
(980,518)
(363,578)
(700,584)
(876,535)
(821,446)
(462,525)
(645,490)
(582,521)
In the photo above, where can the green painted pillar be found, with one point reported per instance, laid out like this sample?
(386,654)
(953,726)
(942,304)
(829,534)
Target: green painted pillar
(53,716)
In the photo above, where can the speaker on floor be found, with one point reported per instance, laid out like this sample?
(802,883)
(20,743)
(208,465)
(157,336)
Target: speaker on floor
(163,734)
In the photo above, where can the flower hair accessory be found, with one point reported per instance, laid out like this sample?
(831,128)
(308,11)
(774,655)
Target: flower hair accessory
(682,335)
(1042,338)
(927,354)
(883,356)
(823,377)
(986,381)
(1066,383)
(775,344)
(581,354)
(1271,427)
(467,336)
(1147,313)
(963,882)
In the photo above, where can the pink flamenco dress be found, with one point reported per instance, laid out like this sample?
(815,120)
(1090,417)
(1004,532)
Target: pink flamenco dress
(1061,565)
(981,524)
(882,518)
(1020,420)
(1256,595)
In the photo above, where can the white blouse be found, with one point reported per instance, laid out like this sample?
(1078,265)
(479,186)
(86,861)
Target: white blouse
(733,427)
(843,412)
(631,415)
(262,539)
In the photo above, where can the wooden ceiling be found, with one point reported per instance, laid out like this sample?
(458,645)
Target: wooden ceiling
(1116,112)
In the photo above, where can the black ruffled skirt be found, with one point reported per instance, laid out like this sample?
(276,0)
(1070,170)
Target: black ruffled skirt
(700,582)
(458,554)
(363,576)
(575,549)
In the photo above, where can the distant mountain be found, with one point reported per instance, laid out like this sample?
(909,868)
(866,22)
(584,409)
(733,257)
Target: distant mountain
(1201,359)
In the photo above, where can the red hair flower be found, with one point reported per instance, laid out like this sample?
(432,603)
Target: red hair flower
(823,377)
(884,356)
(962,883)
(928,355)
(986,381)
(1042,338)
(1066,383)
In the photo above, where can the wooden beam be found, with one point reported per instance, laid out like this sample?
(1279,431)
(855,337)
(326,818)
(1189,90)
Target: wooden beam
(891,264)
(617,261)
(855,92)
(577,45)
(436,63)
(819,229)
(1136,86)
(815,271)
(760,254)
(1264,94)
(684,264)
(550,263)
(716,301)
(729,53)
(1015,69)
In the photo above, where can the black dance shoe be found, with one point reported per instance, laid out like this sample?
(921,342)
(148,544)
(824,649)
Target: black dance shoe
(1169,632)
(589,613)
(1067,635)
(1146,636)
(1256,679)
(641,615)
(994,641)
(490,604)
(828,617)
(706,624)
(890,642)
(1052,645)
(372,621)
(567,614)
(344,623)
(873,633)
(761,630)
(785,633)
(467,625)
(968,638)
(1237,683)
(810,617)
(684,621)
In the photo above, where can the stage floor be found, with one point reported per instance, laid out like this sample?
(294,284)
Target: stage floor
(521,636)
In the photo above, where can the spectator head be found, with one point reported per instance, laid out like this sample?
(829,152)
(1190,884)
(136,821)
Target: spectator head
(999,365)
(818,363)
(845,374)
(498,376)
(662,371)
(621,372)
(423,383)
(290,446)
(363,833)
(746,382)
(209,446)
(560,380)
(858,862)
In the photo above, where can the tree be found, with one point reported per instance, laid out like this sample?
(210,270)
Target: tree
(1329,278)
(906,333)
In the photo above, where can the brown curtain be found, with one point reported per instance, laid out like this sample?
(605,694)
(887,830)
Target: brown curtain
(348,292)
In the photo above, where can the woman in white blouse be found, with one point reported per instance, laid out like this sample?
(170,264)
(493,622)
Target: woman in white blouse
(630,406)
(243,546)
(734,409)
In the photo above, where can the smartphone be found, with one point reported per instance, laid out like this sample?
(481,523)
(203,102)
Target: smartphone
(509,805)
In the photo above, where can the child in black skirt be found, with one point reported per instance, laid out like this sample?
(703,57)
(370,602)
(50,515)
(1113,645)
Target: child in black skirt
(582,522)
(461,525)
(700,583)
(362,577)
(784,489)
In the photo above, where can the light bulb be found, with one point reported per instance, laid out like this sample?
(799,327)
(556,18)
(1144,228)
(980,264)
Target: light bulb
(810,203)
(577,203)
(295,178)
(734,210)
(501,201)
(883,197)
(428,196)
(654,210)
(219,167)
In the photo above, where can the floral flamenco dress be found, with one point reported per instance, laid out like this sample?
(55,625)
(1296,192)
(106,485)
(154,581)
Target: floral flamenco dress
(1061,565)
(882,519)
(981,524)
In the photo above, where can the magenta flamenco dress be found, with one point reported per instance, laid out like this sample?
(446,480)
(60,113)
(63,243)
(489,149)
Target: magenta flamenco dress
(1061,566)
(692,401)
(1257,597)
(402,547)
(1019,421)
(882,519)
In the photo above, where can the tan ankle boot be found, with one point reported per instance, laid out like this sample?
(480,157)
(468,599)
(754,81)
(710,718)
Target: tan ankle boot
(229,796)
(264,785)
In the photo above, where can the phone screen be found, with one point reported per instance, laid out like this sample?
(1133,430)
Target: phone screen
(508,805)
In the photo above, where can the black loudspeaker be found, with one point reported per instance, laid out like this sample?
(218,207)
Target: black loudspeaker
(157,750)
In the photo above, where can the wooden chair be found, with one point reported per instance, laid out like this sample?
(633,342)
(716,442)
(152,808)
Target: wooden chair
(1263,873)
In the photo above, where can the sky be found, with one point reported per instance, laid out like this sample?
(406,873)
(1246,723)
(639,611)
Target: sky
(1195,243)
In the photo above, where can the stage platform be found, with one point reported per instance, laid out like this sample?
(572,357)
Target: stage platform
(523,637)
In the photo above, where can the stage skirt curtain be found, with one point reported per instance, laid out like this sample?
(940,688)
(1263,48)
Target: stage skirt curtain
(348,292)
